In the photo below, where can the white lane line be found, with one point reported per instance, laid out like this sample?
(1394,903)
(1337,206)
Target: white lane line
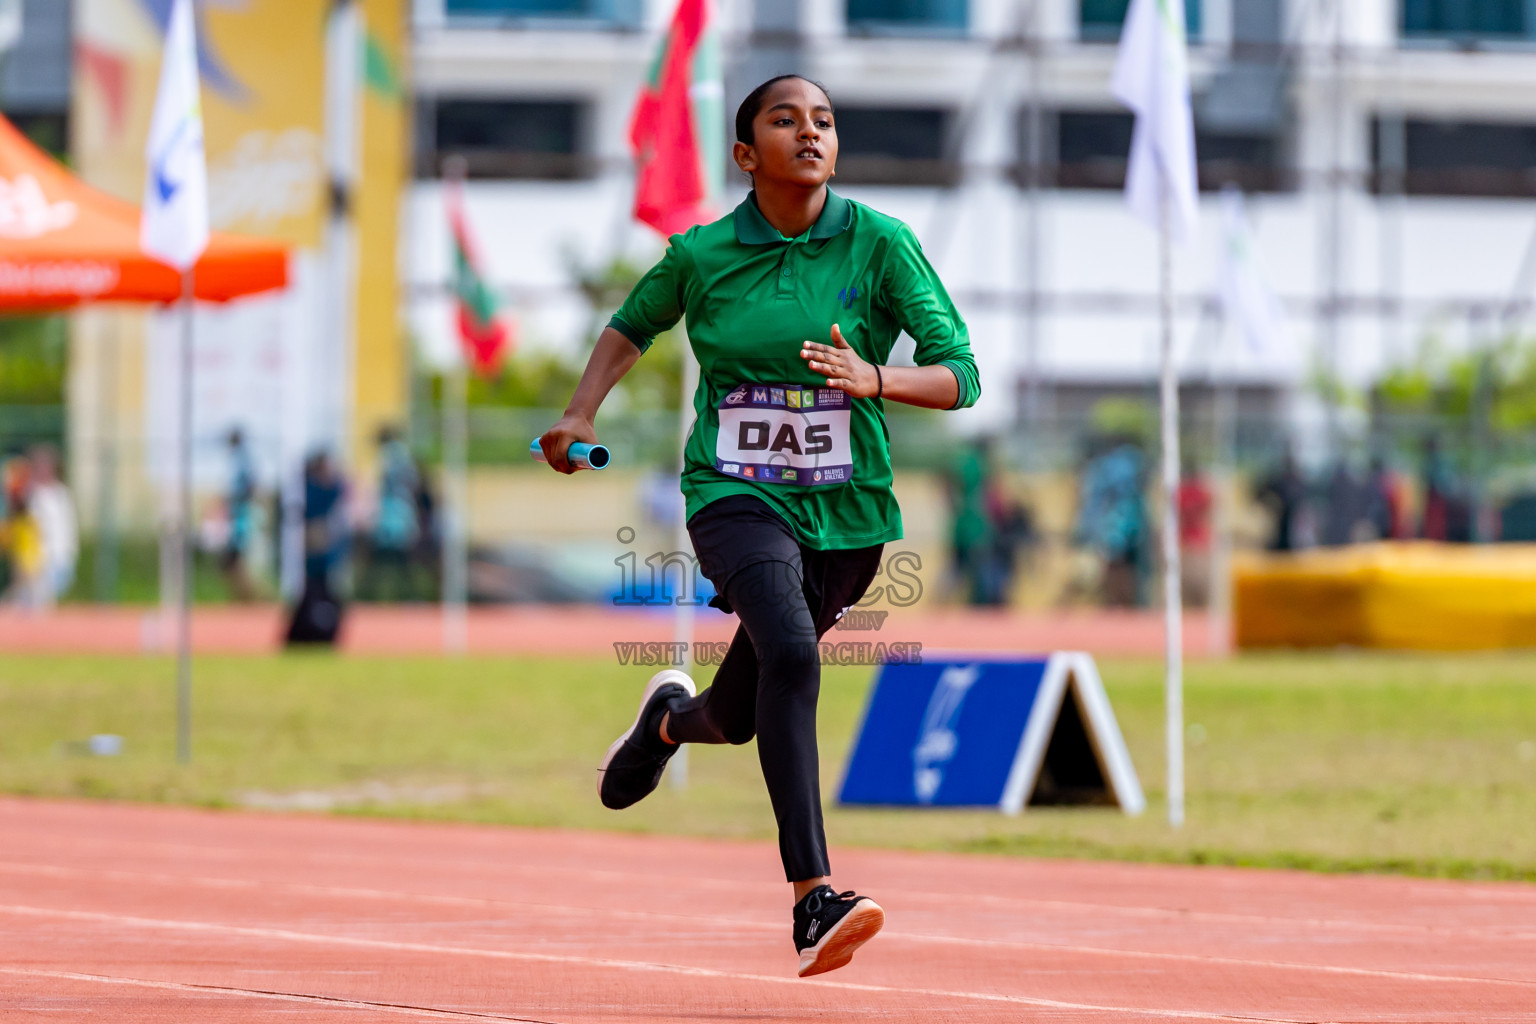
(256,993)
(1490,933)
(502,869)
(609,963)
(386,895)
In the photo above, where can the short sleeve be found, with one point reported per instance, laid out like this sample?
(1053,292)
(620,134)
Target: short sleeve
(655,303)
(918,302)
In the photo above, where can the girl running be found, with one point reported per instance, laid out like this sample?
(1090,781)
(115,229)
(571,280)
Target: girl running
(787,473)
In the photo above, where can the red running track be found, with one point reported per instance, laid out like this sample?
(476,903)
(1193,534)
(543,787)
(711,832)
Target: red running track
(131,913)
(575,629)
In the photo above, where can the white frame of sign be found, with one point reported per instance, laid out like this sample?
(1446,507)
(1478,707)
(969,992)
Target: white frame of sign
(1074,672)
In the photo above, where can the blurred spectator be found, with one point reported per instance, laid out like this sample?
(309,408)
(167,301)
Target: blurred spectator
(428,552)
(20,538)
(325,518)
(1437,485)
(1387,502)
(53,510)
(317,617)
(396,528)
(1283,493)
(1447,508)
(240,507)
(1195,502)
(971,536)
(1458,518)
(1112,521)
(1346,506)
(1013,529)
(1517,518)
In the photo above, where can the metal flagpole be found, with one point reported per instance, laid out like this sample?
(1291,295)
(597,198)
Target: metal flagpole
(1172,591)
(455,509)
(1219,641)
(1034,133)
(174,230)
(343,126)
(107,339)
(682,612)
(455,429)
(1223,386)
(184,534)
(1333,265)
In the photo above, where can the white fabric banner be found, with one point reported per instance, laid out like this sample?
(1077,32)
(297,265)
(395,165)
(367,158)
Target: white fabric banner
(10,24)
(1246,297)
(1152,79)
(174,227)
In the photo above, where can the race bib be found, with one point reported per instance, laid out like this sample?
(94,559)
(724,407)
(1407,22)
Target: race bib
(785,434)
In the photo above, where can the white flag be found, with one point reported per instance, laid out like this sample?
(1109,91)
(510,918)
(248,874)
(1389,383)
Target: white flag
(10,24)
(1152,78)
(174,228)
(1245,297)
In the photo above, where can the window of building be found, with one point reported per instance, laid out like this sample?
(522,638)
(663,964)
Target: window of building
(1461,158)
(1251,162)
(893,146)
(1467,19)
(503,138)
(916,16)
(622,12)
(1100,20)
(1092,148)
(35,73)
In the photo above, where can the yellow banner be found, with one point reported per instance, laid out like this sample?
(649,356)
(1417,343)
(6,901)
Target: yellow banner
(263,86)
(263,70)
(382,367)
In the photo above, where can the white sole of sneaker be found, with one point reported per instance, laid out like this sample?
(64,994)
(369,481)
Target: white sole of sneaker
(660,679)
(837,947)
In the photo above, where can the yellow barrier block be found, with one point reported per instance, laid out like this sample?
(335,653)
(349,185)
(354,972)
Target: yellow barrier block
(1405,595)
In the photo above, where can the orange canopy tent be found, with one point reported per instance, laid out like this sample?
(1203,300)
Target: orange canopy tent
(63,243)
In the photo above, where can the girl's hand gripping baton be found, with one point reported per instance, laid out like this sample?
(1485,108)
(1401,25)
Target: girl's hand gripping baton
(581,454)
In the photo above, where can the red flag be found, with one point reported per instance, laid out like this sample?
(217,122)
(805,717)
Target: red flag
(484,333)
(675,130)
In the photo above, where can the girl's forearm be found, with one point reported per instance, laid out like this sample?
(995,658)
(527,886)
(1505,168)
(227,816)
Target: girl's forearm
(931,387)
(611,359)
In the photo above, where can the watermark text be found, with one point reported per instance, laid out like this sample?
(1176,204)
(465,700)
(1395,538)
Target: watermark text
(652,653)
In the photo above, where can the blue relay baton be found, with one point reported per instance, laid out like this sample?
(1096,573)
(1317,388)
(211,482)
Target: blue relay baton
(581,454)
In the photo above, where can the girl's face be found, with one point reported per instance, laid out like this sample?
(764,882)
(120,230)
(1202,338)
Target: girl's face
(794,139)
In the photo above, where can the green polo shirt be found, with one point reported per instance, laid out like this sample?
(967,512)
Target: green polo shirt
(751,296)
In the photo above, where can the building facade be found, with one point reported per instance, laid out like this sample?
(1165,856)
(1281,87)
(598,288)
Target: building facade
(1386,148)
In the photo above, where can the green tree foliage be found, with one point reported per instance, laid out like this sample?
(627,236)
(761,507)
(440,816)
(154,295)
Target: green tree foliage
(657,379)
(32,360)
(1500,378)
(1133,419)
(540,380)
(545,380)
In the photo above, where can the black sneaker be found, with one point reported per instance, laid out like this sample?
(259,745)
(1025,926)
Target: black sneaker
(633,765)
(830,926)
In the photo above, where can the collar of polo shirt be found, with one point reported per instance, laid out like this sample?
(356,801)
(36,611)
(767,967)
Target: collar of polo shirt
(752,228)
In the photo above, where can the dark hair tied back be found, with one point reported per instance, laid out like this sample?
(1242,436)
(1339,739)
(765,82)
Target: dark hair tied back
(748,111)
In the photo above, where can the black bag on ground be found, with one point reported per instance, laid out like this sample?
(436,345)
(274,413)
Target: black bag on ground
(317,616)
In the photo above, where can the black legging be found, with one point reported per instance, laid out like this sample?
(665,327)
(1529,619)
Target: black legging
(770,678)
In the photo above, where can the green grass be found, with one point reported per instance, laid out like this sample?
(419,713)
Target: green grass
(1421,765)
(135,578)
